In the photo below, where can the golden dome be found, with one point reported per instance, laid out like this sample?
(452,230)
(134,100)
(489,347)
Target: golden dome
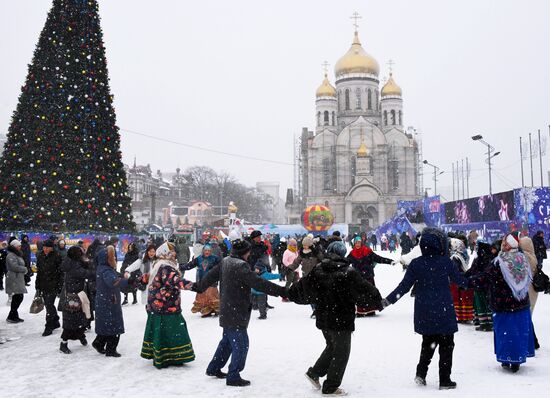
(362,151)
(391,88)
(326,89)
(356,60)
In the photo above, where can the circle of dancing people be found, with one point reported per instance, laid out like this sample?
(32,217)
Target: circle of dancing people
(496,290)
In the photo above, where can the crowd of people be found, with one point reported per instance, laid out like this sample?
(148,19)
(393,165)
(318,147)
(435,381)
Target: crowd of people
(494,290)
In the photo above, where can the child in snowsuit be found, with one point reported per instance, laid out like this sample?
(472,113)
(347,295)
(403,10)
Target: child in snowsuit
(259,299)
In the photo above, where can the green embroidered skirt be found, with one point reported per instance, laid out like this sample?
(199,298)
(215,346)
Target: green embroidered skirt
(167,341)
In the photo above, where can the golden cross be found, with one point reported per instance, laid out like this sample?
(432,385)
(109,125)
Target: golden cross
(390,65)
(325,66)
(355,16)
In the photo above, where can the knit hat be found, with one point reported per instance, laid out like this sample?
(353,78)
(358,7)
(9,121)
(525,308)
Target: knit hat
(240,247)
(15,243)
(338,248)
(336,233)
(307,241)
(255,234)
(513,239)
(48,243)
(292,242)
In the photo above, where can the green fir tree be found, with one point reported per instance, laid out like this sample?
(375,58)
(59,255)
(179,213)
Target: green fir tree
(62,167)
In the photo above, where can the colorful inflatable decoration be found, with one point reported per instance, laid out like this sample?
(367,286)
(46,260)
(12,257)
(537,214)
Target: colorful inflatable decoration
(317,218)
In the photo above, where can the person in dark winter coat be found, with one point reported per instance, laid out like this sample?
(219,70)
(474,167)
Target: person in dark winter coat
(373,241)
(26,250)
(335,289)
(77,270)
(434,313)
(236,279)
(482,309)
(406,243)
(15,279)
(49,282)
(363,259)
(109,323)
(3,255)
(61,248)
(540,247)
(258,249)
(278,251)
(129,258)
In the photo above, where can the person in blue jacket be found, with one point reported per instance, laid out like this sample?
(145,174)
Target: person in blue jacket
(259,299)
(109,323)
(434,313)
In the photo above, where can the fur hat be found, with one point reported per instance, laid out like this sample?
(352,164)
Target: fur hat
(307,241)
(15,243)
(255,234)
(336,233)
(240,247)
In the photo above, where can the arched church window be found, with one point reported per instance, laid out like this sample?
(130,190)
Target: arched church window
(326,118)
(327,175)
(400,118)
(385,118)
(369,99)
(333,118)
(357,98)
(318,118)
(339,100)
(375,99)
(353,169)
(346,94)
(393,117)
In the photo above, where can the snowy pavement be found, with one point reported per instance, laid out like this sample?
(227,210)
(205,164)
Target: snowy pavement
(383,360)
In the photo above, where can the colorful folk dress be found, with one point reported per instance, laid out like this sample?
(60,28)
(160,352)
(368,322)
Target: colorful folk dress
(208,302)
(166,340)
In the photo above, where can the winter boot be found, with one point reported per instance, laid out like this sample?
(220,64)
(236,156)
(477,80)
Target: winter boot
(110,348)
(83,341)
(64,347)
(514,368)
(135,298)
(336,393)
(47,332)
(421,381)
(447,385)
(262,317)
(125,302)
(238,383)
(314,380)
(218,374)
(99,347)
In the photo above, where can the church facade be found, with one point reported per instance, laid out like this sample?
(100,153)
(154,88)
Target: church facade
(359,160)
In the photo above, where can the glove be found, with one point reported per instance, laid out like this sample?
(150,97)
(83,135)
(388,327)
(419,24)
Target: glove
(385,303)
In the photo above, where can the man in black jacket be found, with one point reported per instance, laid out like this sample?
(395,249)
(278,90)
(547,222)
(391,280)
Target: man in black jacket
(49,283)
(335,288)
(540,247)
(236,279)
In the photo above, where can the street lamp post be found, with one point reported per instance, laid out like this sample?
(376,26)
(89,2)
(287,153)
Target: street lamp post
(490,155)
(436,173)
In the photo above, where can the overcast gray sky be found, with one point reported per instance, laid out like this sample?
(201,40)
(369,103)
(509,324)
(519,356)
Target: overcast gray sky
(240,76)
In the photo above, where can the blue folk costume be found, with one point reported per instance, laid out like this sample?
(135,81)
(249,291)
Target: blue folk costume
(208,302)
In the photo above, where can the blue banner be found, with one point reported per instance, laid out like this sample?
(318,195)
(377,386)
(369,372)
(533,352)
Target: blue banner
(533,209)
(396,225)
(488,231)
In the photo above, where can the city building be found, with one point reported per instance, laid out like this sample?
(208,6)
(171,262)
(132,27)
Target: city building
(275,206)
(359,160)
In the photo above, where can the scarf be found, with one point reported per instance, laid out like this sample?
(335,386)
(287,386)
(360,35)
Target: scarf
(516,272)
(457,253)
(163,258)
(363,251)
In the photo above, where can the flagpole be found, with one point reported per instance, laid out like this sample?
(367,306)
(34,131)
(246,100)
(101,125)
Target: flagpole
(521,158)
(540,160)
(531,159)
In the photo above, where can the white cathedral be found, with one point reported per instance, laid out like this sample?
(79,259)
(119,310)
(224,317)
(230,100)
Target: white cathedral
(360,160)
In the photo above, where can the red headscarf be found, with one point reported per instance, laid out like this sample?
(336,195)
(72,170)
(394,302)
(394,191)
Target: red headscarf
(361,252)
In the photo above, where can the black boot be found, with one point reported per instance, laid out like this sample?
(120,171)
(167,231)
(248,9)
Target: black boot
(125,299)
(447,385)
(219,374)
(99,346)
(110,348)
(64,348)
(83,341)
(238,383)
(135,298)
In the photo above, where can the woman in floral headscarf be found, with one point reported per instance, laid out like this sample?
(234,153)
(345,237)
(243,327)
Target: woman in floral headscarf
(208,302)
(166,340)
(509,279)
(463,299)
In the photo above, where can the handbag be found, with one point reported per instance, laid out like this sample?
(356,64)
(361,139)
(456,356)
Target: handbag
(37,304)
(541,281)
(72,303)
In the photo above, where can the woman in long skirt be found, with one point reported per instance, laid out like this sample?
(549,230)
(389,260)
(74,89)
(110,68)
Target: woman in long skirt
(166,340)
(208,302)
(509,279)
(463,299)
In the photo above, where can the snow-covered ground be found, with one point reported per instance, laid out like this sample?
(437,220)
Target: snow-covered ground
(383,360)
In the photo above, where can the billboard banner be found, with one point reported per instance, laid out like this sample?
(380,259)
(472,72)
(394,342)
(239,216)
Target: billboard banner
(533,209)
(396,225)
(488,231)
(496,207)
(424,211)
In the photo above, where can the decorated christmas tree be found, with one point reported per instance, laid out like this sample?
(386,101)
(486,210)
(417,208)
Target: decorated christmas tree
(62,167)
